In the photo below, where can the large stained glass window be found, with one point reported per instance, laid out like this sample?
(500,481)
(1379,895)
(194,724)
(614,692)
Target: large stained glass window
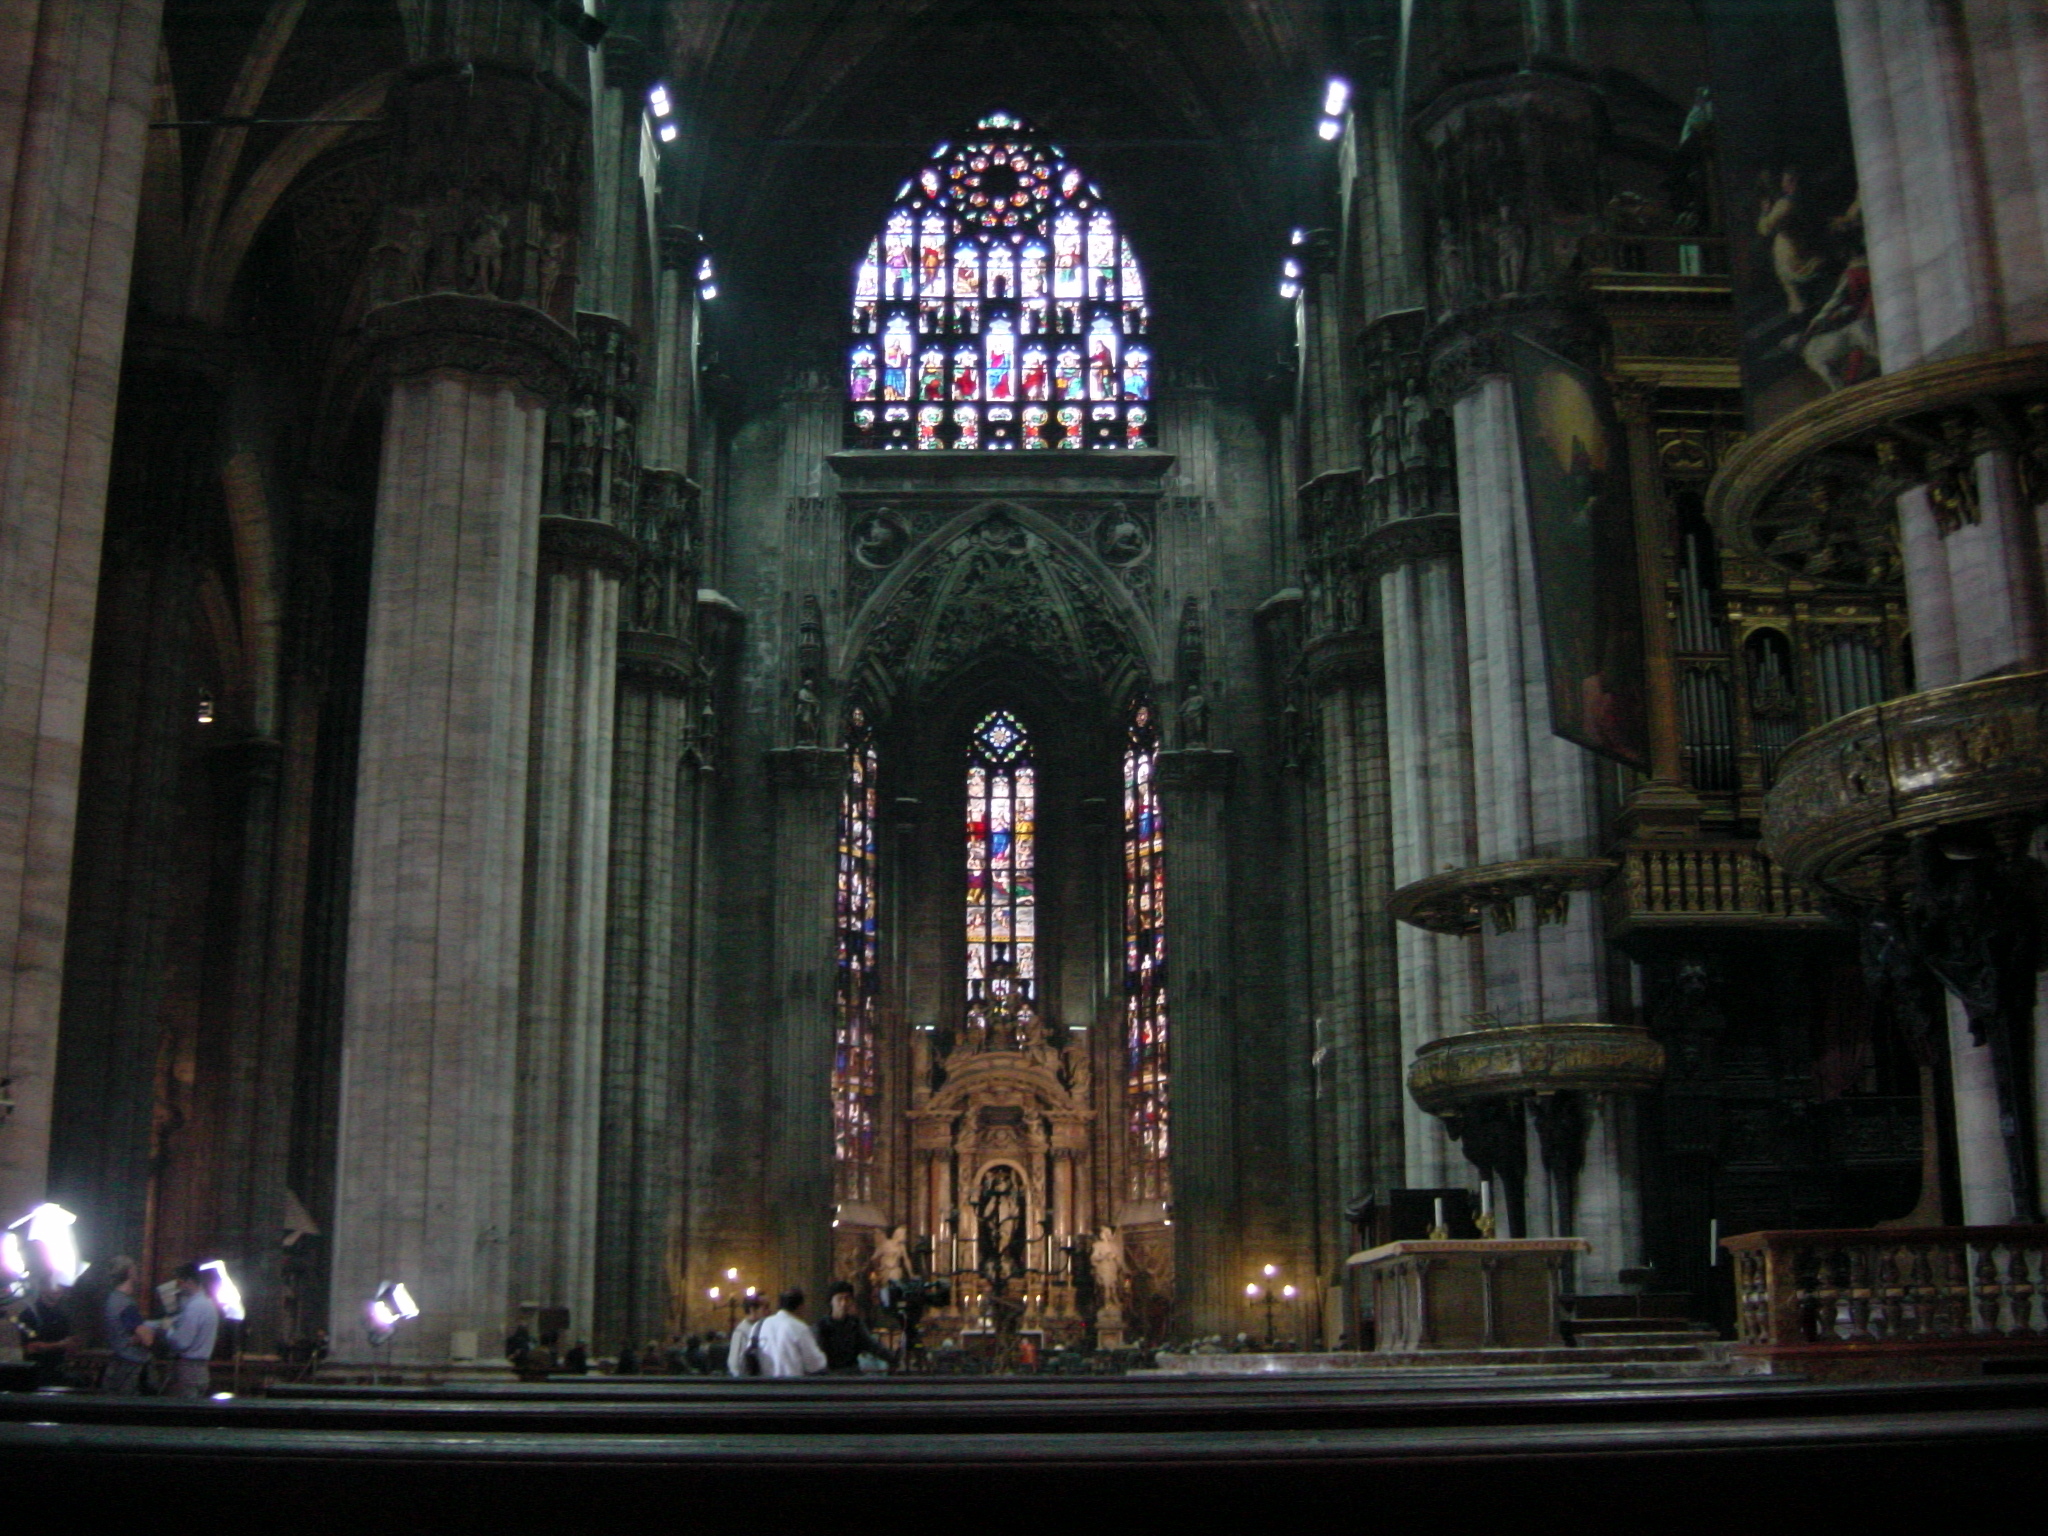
(999,307)
(1002,905)
(1146,1072)
(853,1054)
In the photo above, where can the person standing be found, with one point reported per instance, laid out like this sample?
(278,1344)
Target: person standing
(128,1336)
(841,1333)
(45,1325)
(787,1345)
(743,1337)
(189,1334)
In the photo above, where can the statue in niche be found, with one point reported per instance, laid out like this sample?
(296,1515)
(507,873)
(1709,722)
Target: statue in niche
(1414,427)
(1106,1258)
(892,1255)
(1075,1071)
(999,1224)
(807,711)
(1378,447)
(400,258)
(552,260)
(581,480)
(1120,537)
(483,254)
(1043,1054)
(1194,717)
(649,596)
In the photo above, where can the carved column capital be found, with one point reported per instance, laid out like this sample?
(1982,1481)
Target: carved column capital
(1349,656)
(473,335)
(1473,343)
(584,541)
(659,663)
(489,162)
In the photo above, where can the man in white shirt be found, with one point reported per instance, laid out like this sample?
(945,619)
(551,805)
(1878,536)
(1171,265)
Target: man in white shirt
(743,1334)
(788,1347)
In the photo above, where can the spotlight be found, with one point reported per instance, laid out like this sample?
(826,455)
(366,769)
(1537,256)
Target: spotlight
(657,101)
(1298,237)
(392,1305)
(1336,97)
(704,275)
(1292,268)
(709,290)
(47,1227)
(1329,128)
(666,133)
(225,1292)
(1289,290)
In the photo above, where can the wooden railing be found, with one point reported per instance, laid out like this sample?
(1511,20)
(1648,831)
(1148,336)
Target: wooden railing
(1707,884)
(1924,1288)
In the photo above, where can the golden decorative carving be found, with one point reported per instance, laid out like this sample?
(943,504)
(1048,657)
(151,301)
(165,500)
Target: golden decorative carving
(1813,494)
(1450,1073)
(1706,885)
(1973,752)
(1453,902)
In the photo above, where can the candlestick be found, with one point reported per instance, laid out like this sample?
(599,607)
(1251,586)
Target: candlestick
(1439,1221)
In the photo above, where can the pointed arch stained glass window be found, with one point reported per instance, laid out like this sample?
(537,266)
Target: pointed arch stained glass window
(1146,1061)
(1002,847)
(853,1046)
(991,245)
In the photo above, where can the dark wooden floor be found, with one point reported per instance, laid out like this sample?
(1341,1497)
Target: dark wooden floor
(1044,1455)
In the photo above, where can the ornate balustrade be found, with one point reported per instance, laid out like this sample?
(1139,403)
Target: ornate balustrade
(1921,1301)
(1706,885)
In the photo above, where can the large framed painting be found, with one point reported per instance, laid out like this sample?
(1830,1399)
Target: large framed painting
(1792,211)
(1582,536)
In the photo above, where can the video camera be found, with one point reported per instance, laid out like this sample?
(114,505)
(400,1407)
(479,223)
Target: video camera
(910,1298)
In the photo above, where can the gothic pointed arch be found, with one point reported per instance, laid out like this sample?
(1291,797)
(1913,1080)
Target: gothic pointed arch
(999,578)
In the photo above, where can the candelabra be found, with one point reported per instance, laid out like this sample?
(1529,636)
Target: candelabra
(1271,1292)
(732,1295)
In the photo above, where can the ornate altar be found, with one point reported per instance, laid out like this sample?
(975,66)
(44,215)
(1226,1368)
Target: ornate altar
(1001,1177)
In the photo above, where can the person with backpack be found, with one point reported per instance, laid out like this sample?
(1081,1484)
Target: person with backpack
(741,1357)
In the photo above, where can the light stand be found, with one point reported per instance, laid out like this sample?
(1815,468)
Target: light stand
(392,1305)
(228,1297)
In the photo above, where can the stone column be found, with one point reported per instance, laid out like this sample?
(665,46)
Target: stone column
(249,1063)
(1950,116)
(476,264)
(807,783)
(1429,759)
(137,740)
(649,1018)
(562,1026)
(1536,799)
(1194,786)
(75,83)
(1364,1069)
